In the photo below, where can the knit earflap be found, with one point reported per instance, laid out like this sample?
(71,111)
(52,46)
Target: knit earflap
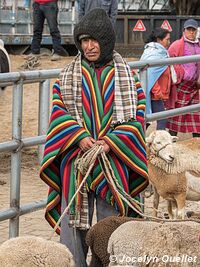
(97,24)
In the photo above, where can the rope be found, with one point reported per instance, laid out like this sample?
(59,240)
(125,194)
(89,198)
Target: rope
(92,154)
(85,164)
(31,63)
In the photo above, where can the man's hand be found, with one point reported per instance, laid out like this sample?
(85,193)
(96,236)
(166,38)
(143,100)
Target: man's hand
(106,147)
(86,143)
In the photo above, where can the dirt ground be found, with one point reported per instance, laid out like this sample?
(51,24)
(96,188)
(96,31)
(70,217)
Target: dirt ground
(32,188)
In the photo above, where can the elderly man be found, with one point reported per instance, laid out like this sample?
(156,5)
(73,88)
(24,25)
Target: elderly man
(96,102)
(185,92)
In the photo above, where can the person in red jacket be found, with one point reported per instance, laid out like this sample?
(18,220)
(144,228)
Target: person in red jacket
(46,9)
(186,90)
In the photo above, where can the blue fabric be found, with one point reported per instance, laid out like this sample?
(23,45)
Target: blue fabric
(153,51)
(158,106)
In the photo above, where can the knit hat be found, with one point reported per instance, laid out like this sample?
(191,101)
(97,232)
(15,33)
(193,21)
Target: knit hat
(98,26)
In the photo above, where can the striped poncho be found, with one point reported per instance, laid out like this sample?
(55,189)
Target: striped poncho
(127,153)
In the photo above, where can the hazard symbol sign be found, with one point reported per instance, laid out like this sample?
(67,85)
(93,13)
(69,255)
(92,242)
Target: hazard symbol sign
(166,25)
(139,26)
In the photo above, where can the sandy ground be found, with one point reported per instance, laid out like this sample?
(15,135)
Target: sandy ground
(32,188)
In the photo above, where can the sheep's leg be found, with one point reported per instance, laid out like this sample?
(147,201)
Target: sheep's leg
(169,208)
(180,200)
(95,261)
(174,209)
(156,198)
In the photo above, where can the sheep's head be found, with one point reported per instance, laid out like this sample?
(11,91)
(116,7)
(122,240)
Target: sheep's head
(160,144)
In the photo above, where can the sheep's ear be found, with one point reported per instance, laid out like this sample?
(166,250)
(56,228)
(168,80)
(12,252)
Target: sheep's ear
(174,139)
(149,139)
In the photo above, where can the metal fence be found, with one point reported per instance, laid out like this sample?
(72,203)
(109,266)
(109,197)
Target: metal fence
(18,79)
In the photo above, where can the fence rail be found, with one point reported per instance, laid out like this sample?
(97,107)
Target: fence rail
(18,79)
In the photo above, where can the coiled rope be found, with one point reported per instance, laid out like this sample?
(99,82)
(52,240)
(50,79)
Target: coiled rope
(31,63)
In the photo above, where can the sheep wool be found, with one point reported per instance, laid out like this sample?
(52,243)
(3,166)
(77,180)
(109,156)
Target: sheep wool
(185,159)
(155,244)
(174,171)
(32,251)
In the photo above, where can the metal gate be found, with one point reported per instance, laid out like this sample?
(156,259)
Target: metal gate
(18,79)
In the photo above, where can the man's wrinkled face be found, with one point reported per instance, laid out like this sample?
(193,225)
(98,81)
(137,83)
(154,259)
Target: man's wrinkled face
(91,49)
(190,33)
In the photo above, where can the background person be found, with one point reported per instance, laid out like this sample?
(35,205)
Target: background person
(187,92)
(159,78)
(96,101)
(46,9)
(110,6)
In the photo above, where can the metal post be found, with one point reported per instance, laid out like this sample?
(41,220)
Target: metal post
(13,17)
(29,20)
(43,120)
(73,16)
(123,5)
(16,157)
(144,81)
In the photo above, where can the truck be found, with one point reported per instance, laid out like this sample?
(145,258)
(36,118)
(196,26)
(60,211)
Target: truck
(135,20)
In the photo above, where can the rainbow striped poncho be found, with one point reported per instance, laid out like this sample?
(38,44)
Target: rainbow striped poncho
(126,140)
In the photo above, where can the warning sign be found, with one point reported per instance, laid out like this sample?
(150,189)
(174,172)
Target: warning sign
(166,25)
(139,26)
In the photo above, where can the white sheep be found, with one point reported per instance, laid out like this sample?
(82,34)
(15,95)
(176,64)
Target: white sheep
(174,171)
(147,243)
(32,251)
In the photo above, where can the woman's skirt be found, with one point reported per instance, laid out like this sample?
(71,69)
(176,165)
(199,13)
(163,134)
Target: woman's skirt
(187,94)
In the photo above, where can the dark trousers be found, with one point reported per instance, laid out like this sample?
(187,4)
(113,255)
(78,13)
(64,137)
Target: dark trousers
(158,106)
(48,11)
